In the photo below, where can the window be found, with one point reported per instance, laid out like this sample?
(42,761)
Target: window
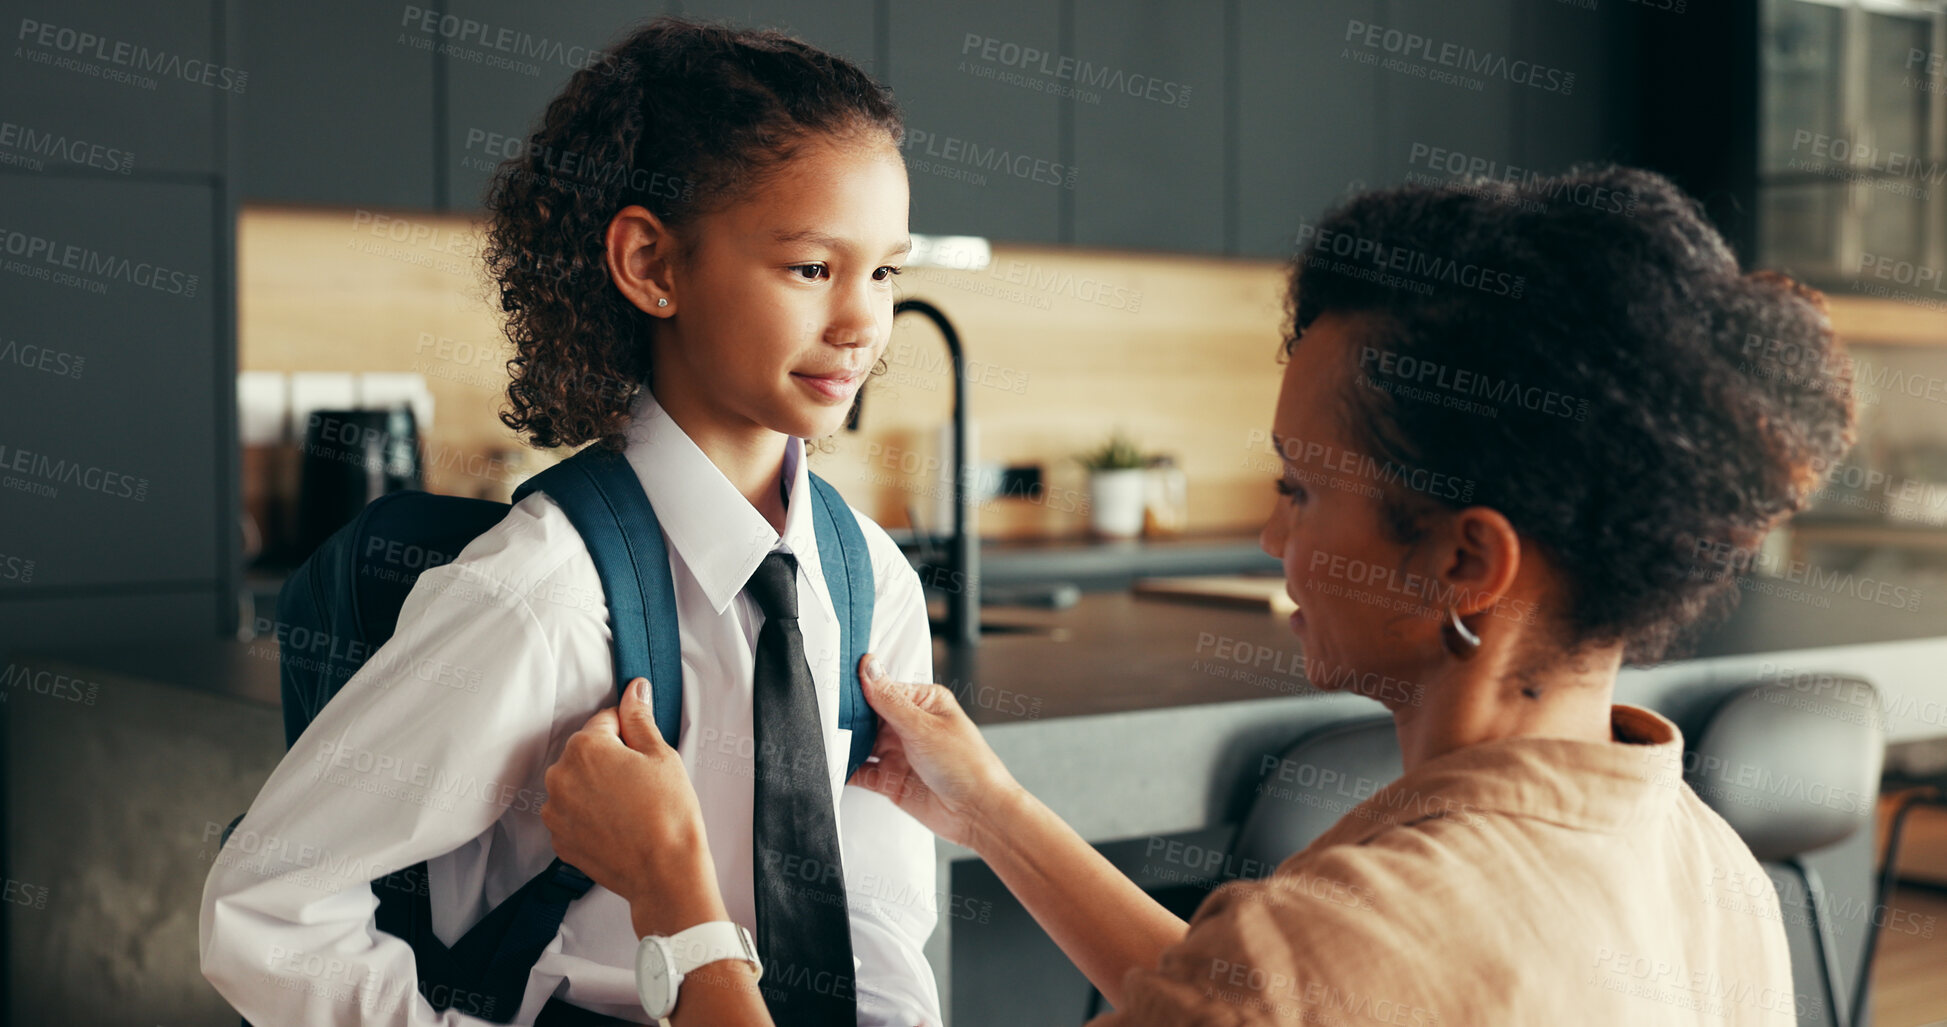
(1851,164)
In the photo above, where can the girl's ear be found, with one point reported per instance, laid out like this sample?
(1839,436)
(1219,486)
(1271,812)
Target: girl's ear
(641,256)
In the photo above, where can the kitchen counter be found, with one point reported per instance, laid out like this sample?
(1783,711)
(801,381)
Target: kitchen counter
(1114,652)
(1122,653)
(1141,721)
(1096,565)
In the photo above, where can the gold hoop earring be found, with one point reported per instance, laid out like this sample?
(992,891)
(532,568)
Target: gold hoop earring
(1458,639)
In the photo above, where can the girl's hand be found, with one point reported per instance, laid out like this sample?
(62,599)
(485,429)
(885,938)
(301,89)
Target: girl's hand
(621,810)
(931,760)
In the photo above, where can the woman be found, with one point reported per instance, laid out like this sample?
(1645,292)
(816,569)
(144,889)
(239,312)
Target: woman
(1530,415)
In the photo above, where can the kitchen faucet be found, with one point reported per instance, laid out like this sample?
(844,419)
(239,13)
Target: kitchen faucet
(961,580)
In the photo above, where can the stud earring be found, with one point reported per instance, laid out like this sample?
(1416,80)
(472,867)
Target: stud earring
(1458,640)
(662,301)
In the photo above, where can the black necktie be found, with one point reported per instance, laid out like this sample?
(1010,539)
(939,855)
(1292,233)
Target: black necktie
(804,934)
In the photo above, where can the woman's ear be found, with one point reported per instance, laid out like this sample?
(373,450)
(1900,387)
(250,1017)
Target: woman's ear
(1480,560)
(641,259)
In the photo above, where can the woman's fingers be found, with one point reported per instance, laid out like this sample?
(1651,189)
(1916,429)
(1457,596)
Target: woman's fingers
(888,698)
(936,765)
(636,718)
(886,775)
(912,708)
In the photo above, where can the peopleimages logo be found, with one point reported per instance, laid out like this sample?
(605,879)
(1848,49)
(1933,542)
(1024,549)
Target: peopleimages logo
(34,145)
(16,568)
(1717,559)
(1534,187)
(87,46)
(38,254)
(569,166)
(515,43)
(1402,266)
(970,154)
(1502,392)
(66,472)
(1426,50)
(1069,69)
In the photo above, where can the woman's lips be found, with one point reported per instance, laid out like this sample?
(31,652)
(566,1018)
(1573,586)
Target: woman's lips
(829,389)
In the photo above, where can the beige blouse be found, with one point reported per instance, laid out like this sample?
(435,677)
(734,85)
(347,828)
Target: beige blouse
(1527,881)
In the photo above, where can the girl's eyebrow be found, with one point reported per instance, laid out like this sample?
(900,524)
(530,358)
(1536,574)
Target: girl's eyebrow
(832,242)
(810,235)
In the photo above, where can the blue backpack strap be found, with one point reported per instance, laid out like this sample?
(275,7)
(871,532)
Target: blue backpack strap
(604,500)
(848,577)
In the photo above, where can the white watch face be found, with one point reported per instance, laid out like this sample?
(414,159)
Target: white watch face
(652,977)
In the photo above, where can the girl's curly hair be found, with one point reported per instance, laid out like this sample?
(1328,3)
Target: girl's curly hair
(1655,419)
(681,118)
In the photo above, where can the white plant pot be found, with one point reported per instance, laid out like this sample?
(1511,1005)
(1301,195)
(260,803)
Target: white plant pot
(1116,501)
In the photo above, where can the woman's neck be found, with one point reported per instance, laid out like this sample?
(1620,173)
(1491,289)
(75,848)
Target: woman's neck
(750,455)
(1492,697)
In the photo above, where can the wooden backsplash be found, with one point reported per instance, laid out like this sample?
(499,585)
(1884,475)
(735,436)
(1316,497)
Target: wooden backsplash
(1064,346)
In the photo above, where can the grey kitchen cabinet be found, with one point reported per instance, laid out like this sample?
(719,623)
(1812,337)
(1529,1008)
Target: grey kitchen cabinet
(496,94)
(848,28)
(501,63)
(1382,92)
(1307,115)
(1149,140)
(117,514)
(115,86)
(981,85)
(1590,123)
(340,108)
(1443,105)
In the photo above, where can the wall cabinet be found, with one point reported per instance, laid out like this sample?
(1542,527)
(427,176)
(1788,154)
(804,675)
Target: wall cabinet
(984,137)
(1200,128)
(1312,115)
(1150,125)
(117,506)
(131,88)
(340,107)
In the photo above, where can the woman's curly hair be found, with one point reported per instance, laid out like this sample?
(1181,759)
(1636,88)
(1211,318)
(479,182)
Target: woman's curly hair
(1669,436)
(681,118)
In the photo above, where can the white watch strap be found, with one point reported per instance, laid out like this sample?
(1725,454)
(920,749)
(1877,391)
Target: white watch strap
(709,942)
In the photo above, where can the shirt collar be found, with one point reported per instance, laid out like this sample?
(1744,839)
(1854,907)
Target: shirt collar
(719,535)
(1612,787)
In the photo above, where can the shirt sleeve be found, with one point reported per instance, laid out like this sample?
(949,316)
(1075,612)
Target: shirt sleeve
(890,860)
(424,749)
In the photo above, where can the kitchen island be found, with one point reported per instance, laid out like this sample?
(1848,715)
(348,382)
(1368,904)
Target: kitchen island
(1141,721)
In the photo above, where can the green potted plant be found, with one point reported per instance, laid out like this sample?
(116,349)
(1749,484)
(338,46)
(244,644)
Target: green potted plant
(1117,485)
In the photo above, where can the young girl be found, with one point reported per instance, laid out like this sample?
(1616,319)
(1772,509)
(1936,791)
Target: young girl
(696,254)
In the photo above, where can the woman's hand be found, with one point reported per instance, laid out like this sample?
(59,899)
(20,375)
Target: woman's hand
(621,810)
(931,760)
(934,763)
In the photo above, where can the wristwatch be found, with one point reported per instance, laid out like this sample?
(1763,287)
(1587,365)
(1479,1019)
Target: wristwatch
(661,962)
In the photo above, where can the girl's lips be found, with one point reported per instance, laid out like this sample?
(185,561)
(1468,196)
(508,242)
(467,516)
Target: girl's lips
(829,389)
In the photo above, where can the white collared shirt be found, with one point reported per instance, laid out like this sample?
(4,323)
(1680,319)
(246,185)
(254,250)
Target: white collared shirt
(435,750)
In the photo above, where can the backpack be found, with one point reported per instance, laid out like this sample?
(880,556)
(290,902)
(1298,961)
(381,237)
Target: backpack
(342,593)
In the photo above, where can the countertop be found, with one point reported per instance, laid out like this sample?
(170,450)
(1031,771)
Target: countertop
(1113,652)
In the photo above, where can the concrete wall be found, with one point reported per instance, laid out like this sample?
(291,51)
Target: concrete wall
(115,790)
